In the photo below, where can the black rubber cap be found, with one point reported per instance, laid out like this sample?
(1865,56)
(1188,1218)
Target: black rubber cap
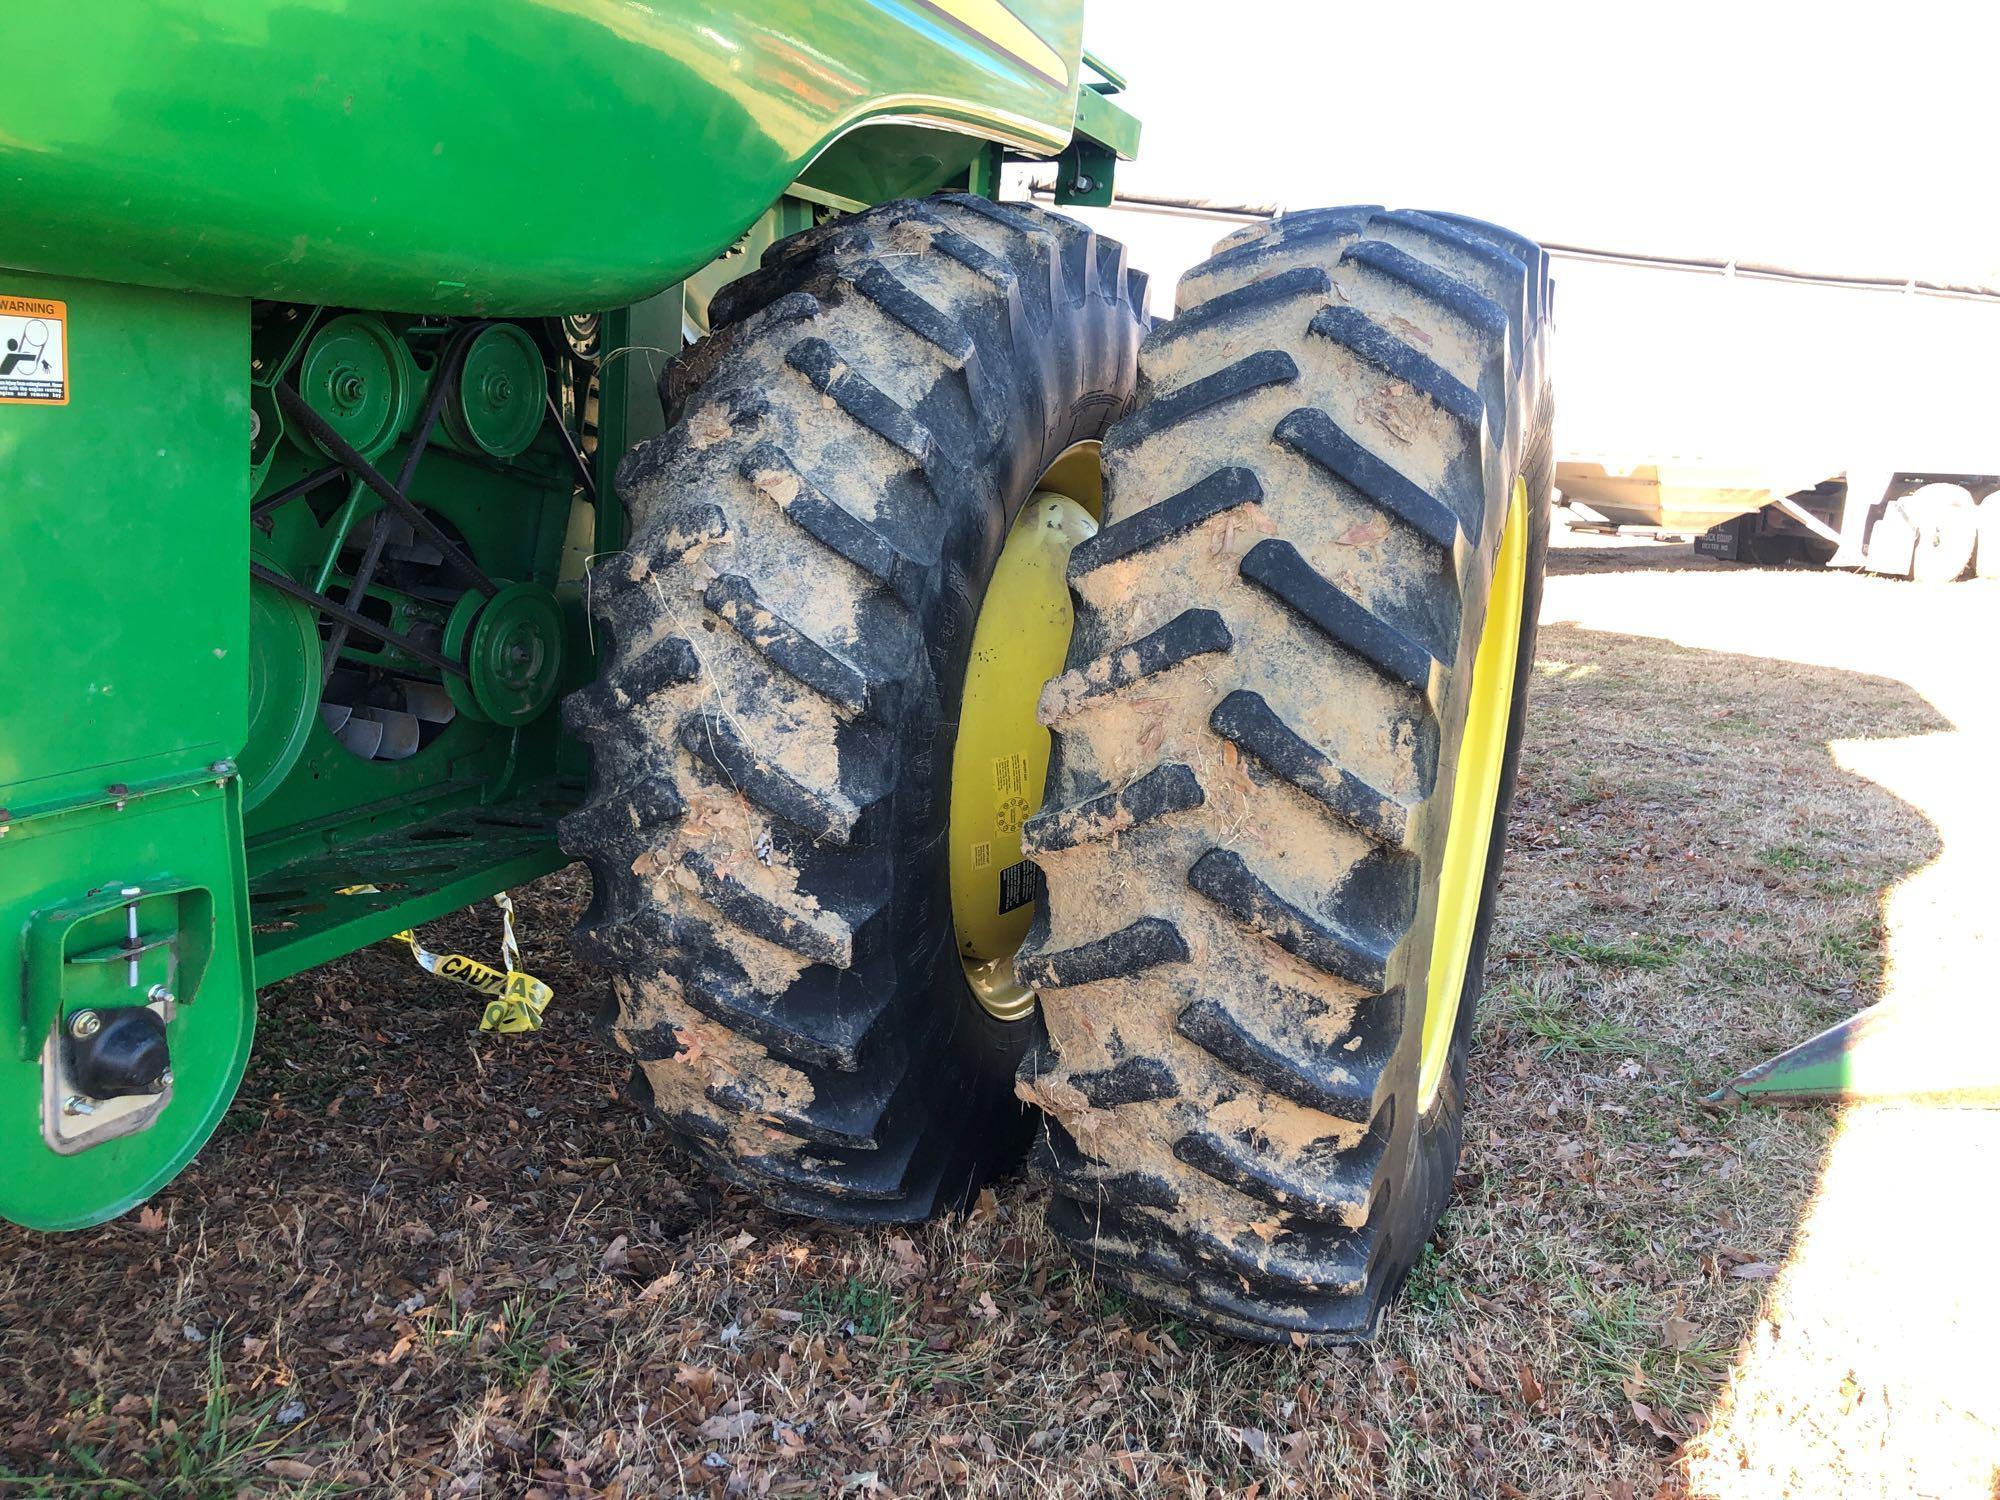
(127,1054)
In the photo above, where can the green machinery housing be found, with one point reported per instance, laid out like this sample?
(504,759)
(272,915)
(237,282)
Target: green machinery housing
(324,328)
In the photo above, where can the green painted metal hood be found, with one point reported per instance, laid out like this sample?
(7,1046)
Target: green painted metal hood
(498,156)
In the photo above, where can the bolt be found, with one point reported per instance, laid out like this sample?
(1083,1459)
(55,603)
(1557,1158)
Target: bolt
(118,792)
(167,1079)
(224,768)
(159,994)
(85,1023)
(1085,185)
(76,1104)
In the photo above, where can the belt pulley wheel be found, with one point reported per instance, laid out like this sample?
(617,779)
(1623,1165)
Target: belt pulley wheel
(356,376)
(512,648)
(284,686)
(495,406)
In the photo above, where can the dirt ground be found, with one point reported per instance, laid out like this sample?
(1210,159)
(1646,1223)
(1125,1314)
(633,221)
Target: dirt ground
(419,1260)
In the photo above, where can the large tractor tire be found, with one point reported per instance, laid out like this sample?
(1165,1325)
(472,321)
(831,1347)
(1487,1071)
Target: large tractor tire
(772,731)
(1286,744)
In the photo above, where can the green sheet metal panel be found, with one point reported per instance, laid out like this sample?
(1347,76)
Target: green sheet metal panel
(124,680)
(125,568)
(474,155)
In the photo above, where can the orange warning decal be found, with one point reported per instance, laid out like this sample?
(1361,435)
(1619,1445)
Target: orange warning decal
(34,351)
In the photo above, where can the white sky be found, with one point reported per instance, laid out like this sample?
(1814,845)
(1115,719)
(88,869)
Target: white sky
(1829,137)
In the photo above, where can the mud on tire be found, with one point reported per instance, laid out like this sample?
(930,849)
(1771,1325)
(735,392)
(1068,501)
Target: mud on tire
(1256,742)
(771,731)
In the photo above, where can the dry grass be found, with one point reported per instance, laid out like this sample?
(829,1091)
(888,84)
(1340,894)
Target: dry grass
(420,1260)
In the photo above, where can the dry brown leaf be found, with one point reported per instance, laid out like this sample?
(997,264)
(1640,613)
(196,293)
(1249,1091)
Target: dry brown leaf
(728,1426)
(1652,1420)
(1531,1388)
(1256,1440)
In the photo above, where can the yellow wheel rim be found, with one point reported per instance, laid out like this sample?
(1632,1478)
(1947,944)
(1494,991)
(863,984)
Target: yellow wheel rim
(1482,755)
(1001,759)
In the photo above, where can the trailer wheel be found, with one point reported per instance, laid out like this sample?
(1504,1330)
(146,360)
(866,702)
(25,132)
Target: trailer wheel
(1945,526)
(1987,563)
(791,633)
(1285,752)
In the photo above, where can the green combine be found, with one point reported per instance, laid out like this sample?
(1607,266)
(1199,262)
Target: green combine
(444,441)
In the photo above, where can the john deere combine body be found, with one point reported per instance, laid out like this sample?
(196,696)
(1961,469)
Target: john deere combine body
(282,258)
(371,544)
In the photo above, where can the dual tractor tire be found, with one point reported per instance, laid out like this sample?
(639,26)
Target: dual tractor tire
(1316,474)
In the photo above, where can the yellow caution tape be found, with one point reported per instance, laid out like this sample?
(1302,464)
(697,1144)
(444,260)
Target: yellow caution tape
(518,997)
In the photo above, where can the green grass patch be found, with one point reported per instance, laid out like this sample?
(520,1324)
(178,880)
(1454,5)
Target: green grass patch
(1432,1287)
(1619,1336)
(219,1454)
(511,1344)
(521,1342)
(1558,1021)
(1794,859)
(861,1307)
(1639,952)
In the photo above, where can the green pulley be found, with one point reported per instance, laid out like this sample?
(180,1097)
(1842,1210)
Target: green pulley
(512,649)
(357,376)
(285,656)
(496,404)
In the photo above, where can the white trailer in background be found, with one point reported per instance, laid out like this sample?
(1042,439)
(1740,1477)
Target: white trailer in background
(1845,421)
(1785,415)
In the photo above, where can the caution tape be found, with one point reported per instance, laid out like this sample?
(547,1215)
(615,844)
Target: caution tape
(517,999)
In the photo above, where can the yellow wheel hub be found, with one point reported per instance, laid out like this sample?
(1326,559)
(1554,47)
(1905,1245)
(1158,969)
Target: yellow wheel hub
(1482,754)
(1002,756)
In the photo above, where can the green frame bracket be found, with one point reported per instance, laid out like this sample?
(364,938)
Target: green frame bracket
(125,960)
(1084,174)
(1105,135)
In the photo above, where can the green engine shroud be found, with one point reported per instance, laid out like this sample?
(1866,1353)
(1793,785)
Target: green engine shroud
(489,156)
